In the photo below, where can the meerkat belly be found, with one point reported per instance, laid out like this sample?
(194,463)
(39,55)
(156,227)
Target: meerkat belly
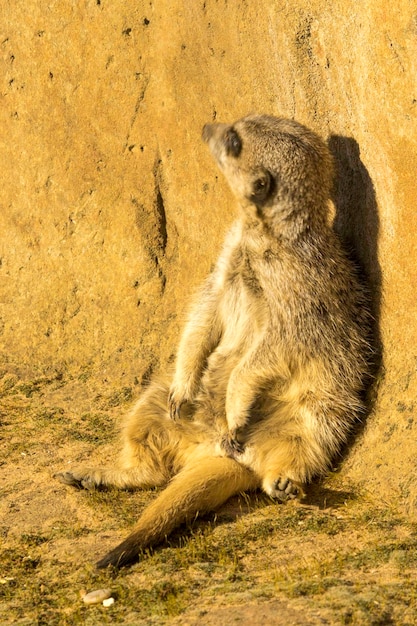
(239,321)
(239,327)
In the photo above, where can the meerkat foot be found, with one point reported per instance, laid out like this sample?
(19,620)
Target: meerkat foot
(80,481)
(284,489)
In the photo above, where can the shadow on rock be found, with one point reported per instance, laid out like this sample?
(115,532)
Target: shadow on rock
(357,221)
(357,224)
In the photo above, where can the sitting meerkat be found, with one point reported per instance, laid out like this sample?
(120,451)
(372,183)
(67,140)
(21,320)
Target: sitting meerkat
(273,360)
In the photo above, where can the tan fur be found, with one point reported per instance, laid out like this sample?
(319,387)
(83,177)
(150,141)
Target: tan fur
(273,360)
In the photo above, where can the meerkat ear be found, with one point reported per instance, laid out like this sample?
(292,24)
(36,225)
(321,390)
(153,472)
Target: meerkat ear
(262,188)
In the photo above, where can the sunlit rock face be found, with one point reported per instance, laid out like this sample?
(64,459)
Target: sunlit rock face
(112,211)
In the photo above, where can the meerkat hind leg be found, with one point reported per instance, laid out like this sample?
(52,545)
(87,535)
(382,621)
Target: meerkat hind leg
(147,431)
(130,478)
(290,463)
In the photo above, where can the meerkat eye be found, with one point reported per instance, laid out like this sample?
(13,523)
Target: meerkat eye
(262,188)
(233,143)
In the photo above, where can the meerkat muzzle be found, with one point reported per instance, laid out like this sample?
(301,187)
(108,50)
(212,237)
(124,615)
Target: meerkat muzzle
(207,132)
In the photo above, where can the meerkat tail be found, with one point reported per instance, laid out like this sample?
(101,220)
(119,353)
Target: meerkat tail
(197,489)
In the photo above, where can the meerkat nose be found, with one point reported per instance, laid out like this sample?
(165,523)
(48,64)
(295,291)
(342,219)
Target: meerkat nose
(207,131)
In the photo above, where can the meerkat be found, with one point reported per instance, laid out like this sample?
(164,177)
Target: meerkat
(274,358)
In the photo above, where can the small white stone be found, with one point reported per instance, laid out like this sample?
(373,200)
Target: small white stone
(97,596)
(108,601)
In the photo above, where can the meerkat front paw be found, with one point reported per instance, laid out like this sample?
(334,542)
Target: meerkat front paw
(284,489)
(180,394)
(231,446)
(174,406)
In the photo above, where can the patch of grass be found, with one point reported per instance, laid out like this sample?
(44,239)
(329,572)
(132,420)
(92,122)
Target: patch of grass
(92,427)
(164,598)
(376,555)
(338,556)
(16,565)
(310,587)
(122,506)
(377,519)
(33,539)
(115,398)
(208,562)
(7,383)
(66,530)
(30,388)
(51,415)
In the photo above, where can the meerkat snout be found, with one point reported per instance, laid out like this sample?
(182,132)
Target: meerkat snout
(207,132)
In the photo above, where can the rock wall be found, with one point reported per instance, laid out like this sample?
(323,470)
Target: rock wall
(111,210)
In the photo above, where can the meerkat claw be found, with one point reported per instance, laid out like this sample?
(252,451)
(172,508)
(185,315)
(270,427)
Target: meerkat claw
(231,446)
(174,408)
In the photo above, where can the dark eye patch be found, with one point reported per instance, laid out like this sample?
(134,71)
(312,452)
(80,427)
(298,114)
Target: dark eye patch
(233,143)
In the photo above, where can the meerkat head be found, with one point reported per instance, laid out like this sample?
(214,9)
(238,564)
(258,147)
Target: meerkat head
(280,171)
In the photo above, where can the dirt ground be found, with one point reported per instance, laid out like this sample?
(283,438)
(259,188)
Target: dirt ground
(340,557)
